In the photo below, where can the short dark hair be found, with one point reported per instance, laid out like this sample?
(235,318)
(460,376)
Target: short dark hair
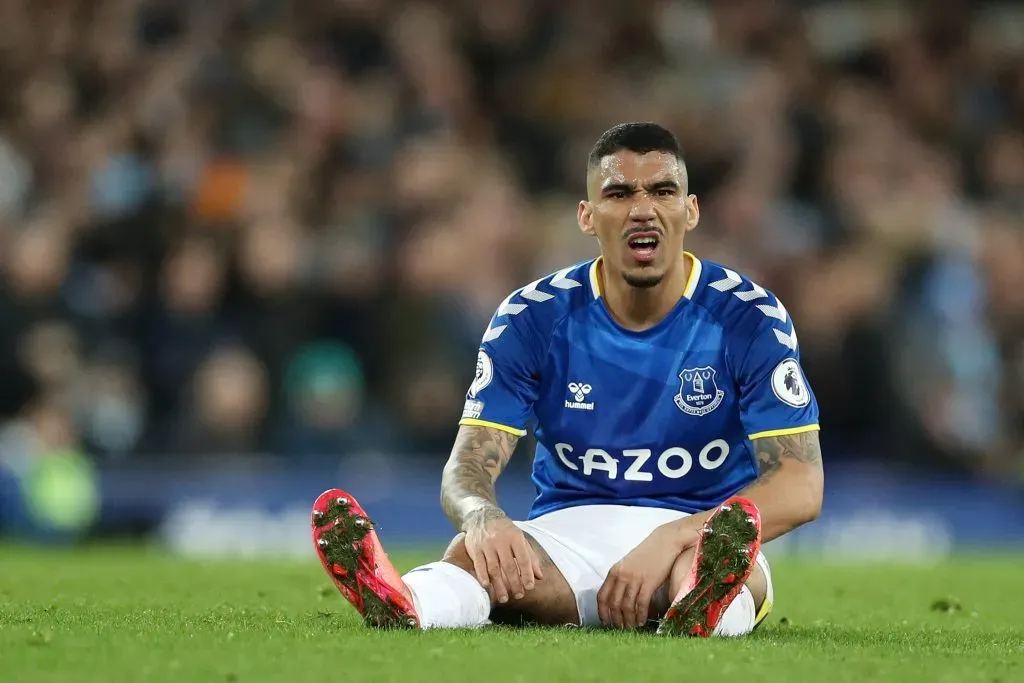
(639,137)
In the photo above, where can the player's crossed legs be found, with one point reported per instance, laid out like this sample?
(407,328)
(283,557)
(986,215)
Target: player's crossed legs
(718,588)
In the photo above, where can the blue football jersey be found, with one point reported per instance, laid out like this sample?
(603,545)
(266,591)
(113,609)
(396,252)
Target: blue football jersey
(664,417)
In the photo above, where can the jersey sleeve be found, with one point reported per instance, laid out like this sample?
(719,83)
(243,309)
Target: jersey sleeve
(504,387)
(775,397)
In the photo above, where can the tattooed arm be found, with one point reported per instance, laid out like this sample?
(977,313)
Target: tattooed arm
(467,484)
(787,491)
(503,560)
(789,488)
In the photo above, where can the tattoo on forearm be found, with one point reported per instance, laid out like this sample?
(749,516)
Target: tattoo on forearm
(772,451)
(478,457)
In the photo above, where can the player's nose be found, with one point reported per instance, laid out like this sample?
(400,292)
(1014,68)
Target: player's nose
(642,209)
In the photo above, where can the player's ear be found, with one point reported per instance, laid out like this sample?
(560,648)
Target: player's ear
(692,212)
(584,216)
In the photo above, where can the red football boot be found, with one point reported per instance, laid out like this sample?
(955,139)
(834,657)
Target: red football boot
(725,557)
(352,555)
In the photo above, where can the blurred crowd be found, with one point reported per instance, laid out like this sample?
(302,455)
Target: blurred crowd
(272,226)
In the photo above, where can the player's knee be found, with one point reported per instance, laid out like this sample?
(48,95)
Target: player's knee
(457,554)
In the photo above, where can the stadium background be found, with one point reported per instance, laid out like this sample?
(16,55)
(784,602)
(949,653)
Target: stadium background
(248,247)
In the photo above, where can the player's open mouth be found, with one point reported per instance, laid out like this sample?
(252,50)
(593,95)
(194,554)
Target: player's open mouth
(644,246)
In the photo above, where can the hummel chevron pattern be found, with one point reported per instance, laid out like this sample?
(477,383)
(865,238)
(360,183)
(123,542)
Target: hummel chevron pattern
(732,280)
(509,308)
(562,281)
(492,333)
(559,280)
(530,293)
(785,339)
(778,312)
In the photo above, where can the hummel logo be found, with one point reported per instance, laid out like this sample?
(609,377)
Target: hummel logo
(579,394)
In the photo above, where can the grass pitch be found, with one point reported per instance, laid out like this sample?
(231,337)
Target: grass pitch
(107,615)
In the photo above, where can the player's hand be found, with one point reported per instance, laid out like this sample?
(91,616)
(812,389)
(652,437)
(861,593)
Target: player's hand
(625,598)
(504,562)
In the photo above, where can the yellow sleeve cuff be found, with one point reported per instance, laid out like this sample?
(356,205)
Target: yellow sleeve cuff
(784,432)
(470,422)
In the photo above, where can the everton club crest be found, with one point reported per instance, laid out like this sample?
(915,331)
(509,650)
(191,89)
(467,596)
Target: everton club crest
(699,393)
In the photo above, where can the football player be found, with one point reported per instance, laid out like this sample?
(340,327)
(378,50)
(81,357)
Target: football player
(675,434)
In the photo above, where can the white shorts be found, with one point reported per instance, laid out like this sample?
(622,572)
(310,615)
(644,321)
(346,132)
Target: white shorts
(585,541)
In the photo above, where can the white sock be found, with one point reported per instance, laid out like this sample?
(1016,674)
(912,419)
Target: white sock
(738,619)
(447,596)
(769,596)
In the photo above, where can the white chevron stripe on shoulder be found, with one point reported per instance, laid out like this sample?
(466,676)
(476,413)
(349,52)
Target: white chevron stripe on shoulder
(561,280)
(778,311)
(530,293)
(509,308)
(787,340)
(756,293)
(492,333)
(732,280)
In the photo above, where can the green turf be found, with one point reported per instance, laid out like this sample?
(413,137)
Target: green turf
(115,615)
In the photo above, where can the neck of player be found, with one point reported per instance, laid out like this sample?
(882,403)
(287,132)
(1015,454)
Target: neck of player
(639,308)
